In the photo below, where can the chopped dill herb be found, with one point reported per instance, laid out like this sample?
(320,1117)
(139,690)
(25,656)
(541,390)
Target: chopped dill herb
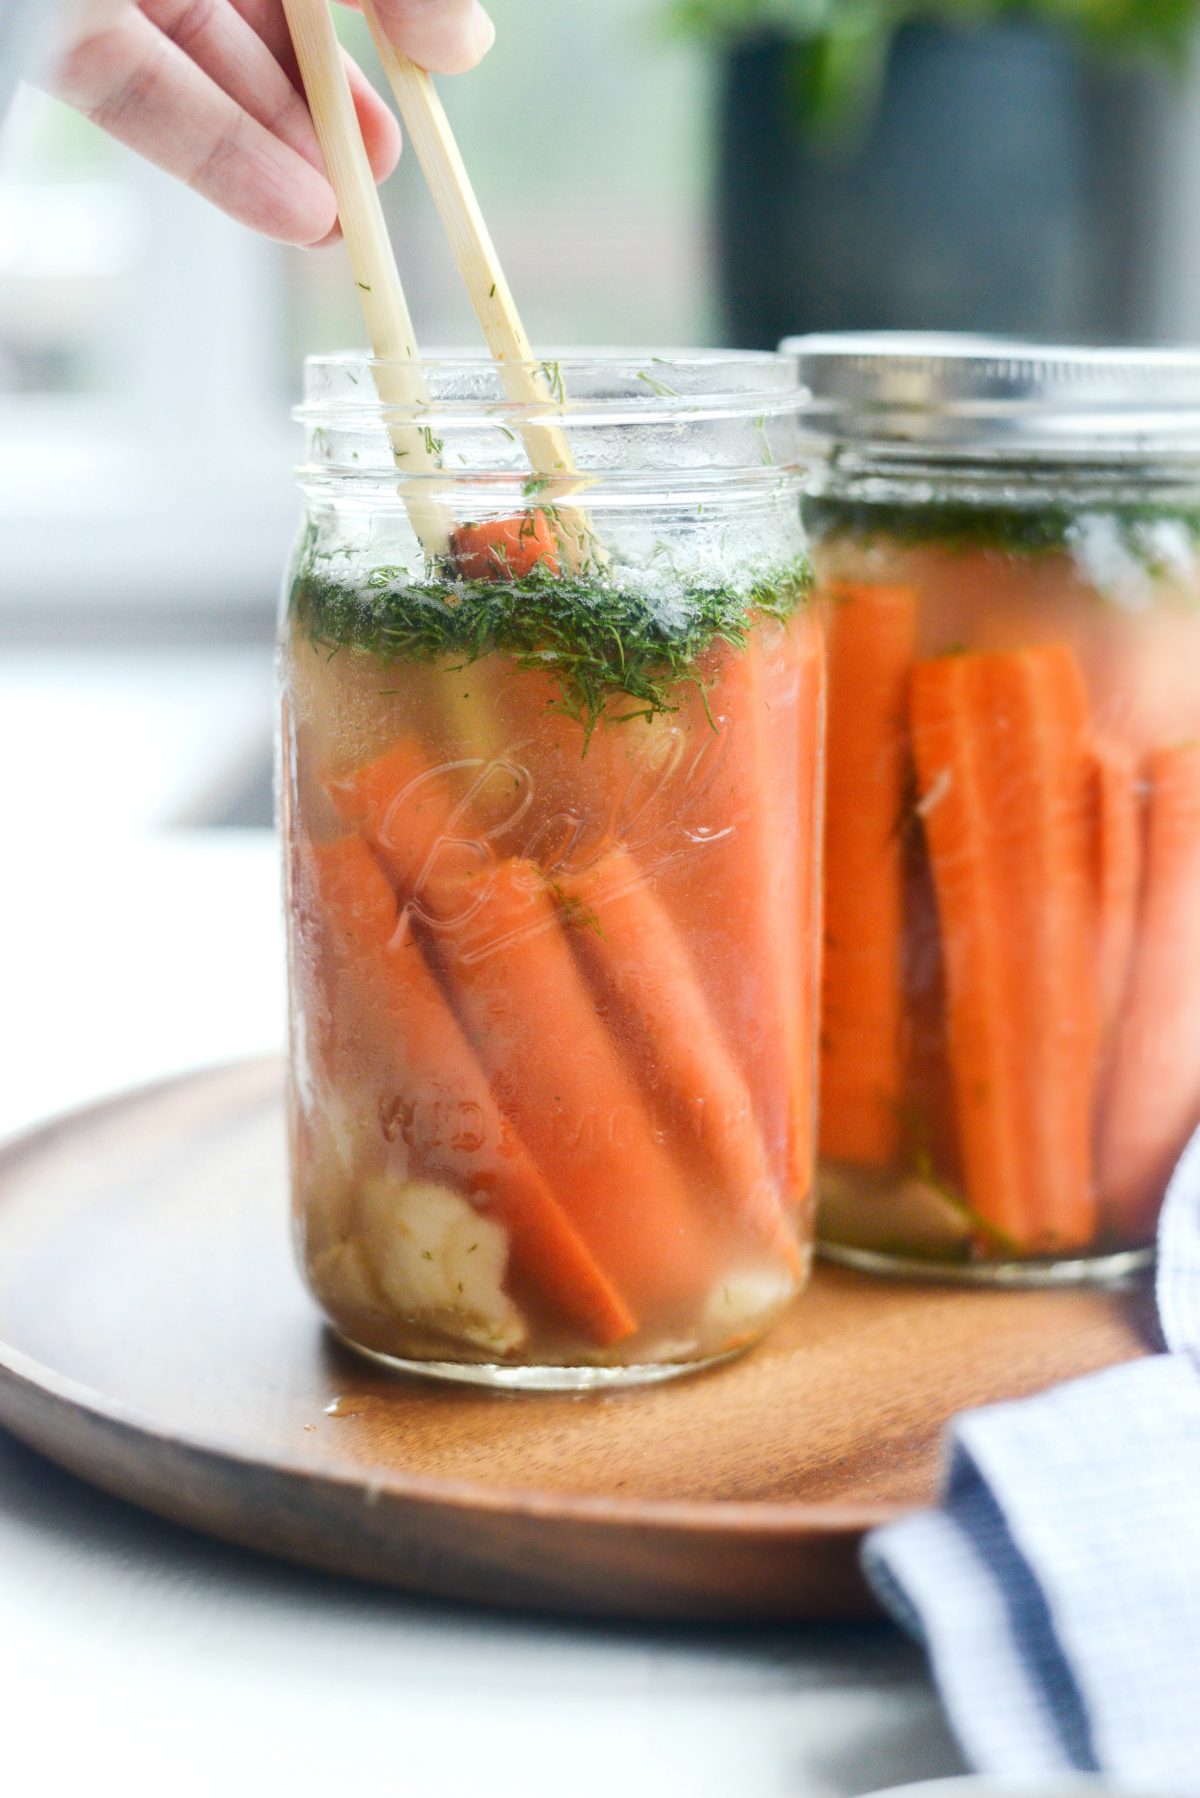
(924,1171)
(363,285)
(576,915)
(657,387)
(492,291)
(1031,530)
(554,381)
(433,443)
(612,649)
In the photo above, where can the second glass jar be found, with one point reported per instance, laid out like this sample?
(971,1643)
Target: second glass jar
(551,756)
(1007,542)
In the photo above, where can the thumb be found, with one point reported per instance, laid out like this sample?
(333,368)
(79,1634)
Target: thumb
(444,36)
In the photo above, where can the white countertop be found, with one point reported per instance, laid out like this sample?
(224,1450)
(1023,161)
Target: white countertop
(127,1644)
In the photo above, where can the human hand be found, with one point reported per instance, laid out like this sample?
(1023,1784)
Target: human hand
(209,91)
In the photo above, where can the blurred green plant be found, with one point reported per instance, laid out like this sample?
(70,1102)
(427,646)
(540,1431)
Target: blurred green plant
(840,47)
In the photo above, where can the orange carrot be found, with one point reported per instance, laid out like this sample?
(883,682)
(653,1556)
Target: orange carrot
(1118,865)
(625,939)
(730,877)
(1153,1101)
(504,549)
(399,804)
(556,1074)
(447,1114)
(872,644)
(1000,745)
(810,897)
(420,818)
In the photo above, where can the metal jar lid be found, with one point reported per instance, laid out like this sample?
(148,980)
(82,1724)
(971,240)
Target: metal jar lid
(994,397)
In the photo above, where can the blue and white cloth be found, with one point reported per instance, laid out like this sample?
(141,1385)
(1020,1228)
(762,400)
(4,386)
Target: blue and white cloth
(1057,1586)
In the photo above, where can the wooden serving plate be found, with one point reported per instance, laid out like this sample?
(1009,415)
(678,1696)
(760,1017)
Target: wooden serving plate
(155,1339)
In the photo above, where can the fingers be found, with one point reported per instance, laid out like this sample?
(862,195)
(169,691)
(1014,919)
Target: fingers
(446,36)
(207,90)
(377,121)
(218,40)
(137,84)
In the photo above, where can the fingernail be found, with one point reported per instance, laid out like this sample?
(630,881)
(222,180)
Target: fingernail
(483,31)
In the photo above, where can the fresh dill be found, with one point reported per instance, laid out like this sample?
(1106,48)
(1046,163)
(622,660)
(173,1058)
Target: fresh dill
(575,912)
(611,649)
(925,1172)
(960,526)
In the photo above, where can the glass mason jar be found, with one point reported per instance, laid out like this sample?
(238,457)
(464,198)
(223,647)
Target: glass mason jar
(549,776)
(1007,543)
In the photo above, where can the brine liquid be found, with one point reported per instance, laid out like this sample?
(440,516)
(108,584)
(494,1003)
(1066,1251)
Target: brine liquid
(1011,1007)
(553,1003)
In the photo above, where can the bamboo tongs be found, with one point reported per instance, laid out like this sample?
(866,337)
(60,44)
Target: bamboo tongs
(389,324)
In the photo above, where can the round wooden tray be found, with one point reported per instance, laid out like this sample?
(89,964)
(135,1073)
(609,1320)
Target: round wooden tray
(156,1339)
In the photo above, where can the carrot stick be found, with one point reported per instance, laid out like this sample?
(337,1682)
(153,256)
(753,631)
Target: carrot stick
(872,644)
(1153,1101)
(447,1113)
(504,549)
(1001,758)
(420,817)
(1118,852)
(398,803)
(810,898)
(730,880)
(556,1074)
(624,937)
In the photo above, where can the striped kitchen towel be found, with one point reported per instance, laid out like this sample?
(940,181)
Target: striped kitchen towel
(1056,1587)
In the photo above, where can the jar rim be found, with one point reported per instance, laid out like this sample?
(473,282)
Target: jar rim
(962,394)
(632,419)
(607,384)
(570,356)
(574,353)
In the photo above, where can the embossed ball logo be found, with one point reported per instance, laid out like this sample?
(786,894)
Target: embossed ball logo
(655,807)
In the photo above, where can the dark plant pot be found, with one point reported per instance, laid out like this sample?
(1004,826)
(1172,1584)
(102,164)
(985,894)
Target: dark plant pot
(1004,183)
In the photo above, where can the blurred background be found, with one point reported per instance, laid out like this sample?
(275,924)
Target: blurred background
(659,171)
